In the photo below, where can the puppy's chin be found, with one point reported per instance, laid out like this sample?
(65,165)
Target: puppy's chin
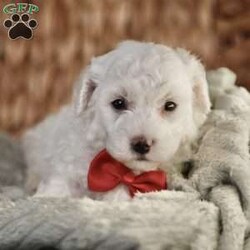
(142,165)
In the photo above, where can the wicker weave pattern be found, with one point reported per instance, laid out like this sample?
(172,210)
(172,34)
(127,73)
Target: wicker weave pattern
(233,33)
(37,75)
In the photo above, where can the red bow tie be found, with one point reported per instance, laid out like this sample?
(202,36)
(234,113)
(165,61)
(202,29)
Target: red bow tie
(105,173)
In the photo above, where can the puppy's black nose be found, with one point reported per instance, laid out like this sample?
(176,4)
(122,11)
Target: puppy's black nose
(140,146)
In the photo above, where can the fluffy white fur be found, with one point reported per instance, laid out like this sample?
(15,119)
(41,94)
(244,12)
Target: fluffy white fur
(60,149)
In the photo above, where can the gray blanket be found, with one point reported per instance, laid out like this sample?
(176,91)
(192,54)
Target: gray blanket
(211,210)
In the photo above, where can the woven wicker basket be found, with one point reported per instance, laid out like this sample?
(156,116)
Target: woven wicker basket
(36,76)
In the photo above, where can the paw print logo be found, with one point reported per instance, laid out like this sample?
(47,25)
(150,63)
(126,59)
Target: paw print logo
(20,26)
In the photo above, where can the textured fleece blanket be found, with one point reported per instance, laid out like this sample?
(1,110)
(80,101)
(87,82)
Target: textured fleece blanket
(211,210)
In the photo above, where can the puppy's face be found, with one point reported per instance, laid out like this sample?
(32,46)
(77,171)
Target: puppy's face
(144,98)
(146,116)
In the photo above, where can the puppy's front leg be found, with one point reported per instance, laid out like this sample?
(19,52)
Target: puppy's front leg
(55,187)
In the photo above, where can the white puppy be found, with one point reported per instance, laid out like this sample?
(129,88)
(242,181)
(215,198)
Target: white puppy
(142,102)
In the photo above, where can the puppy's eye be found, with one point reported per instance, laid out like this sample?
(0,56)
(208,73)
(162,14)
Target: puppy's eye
(119,104)
(170,106)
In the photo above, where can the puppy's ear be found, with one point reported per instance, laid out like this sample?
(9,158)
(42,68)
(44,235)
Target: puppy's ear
(201,101)
(83,91)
